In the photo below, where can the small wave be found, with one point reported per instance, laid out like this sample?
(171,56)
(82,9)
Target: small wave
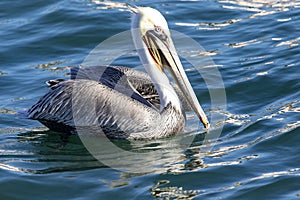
(243,44)
(290,43)
(52,66)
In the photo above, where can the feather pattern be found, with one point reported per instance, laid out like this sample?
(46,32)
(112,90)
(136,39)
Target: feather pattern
(89,103)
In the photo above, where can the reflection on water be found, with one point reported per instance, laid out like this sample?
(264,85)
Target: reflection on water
(159,191)
(256,8)
(289,43)
(52,66)
(281,5)
(44,152)
(48,152)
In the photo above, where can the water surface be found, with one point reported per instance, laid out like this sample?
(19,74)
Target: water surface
(255,47)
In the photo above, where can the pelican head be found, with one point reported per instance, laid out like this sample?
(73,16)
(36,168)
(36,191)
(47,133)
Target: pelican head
(157,52)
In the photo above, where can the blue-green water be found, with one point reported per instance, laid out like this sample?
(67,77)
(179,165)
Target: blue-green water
(254,44)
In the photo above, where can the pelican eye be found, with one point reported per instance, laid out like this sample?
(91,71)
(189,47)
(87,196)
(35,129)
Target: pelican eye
(160,33)
(157,29)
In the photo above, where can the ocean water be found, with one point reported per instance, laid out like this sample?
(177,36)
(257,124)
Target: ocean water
(254,45)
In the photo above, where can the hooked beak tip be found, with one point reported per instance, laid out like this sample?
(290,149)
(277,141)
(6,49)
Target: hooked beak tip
(206,125)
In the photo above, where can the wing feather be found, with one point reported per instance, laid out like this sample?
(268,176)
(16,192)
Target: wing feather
(86,103)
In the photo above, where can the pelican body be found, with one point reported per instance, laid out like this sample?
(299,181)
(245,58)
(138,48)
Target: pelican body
(122,102)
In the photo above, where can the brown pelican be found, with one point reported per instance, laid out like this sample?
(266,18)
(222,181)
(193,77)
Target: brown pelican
(124,101)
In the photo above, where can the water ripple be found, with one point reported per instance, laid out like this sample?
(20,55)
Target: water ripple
(290,43)
(243,44)
(255,45)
